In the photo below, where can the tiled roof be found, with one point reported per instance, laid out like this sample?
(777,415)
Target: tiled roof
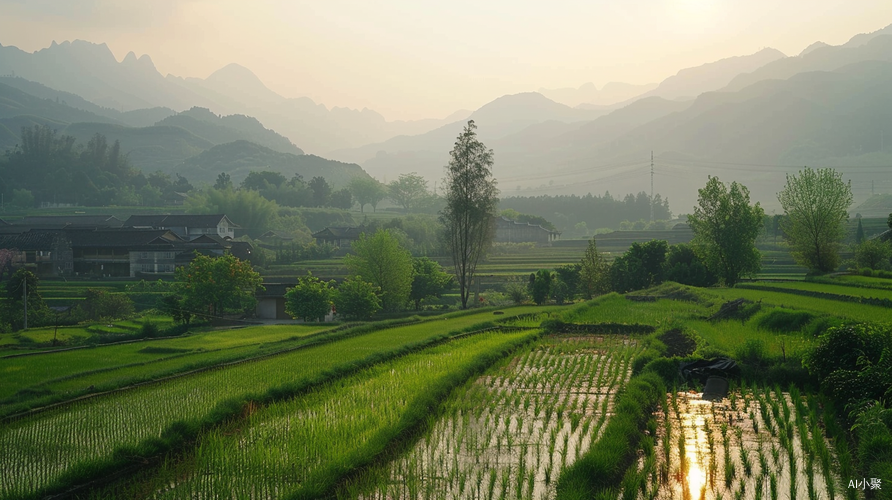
(130,238)
(69,220)
(183,220)
(339,232)
(30,240)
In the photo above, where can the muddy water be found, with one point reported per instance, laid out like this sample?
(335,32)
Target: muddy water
(511,432)
(731,449)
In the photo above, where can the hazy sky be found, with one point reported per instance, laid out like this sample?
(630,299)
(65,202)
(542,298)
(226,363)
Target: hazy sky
(412,59)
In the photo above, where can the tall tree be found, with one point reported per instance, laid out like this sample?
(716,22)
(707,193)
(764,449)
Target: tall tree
(859,233)
(321,191)
(408,191)
(816,203)
(470,211)
(593,272)
(725,228)
(367,191)
(381,261)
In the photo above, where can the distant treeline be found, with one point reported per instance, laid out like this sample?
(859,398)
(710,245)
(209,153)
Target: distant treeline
(50,168)
(567,212)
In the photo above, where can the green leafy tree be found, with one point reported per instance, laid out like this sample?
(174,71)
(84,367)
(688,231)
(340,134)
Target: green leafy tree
(429,280)
(245,207)
(263,180)
(859,233)
(383,262)
(367,191)
(321,191)
(873,254)
(568,275)
(98,304)
(685,267)
(640,267)
(224,181)
(816,203)
(471,201)
(38,312)
(725,228)
(342,199)
(175,305)
(357,299)
(594,276)
(310,299)
(540,286)
(211,285)
(409,191)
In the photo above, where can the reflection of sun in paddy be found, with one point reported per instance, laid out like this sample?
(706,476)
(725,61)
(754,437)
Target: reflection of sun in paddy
(694,424)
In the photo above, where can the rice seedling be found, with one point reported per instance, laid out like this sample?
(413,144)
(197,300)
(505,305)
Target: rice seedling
(42,452)
(567,384)
(754,453)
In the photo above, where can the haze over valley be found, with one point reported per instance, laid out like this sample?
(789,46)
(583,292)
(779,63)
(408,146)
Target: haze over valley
(750,117)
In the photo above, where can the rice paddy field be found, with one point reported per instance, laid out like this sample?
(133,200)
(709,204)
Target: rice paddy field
(485,404)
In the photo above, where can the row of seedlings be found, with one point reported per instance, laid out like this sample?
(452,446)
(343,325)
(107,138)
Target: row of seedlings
(757,443)
(508,434)
(52,450)
(302,447)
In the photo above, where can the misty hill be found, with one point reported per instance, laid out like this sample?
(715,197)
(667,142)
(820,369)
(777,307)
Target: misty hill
(529,140)
(158,147)
(753,136)
(223,129)
(822,58)
(241,157)
(691,82)
(19,109)
(91,71)
(135,118)
(428,153)
(610,93)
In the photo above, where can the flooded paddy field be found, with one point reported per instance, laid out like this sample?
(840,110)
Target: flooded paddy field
(758,443)
(509,433)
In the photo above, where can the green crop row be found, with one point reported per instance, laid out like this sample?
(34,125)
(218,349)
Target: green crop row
(55,449)
(301,448)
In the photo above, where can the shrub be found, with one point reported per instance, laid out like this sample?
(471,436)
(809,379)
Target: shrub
(752,351)
(782,320)
(149,329)
(666,368)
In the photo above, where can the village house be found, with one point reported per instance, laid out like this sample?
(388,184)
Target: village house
(509,231)
(187,227)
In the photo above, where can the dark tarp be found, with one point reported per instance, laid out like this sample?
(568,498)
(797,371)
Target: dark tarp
(702,369)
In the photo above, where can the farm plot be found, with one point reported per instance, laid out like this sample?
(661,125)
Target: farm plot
(107,366)
(301,448)
(39,450)
(850,310)
(614,308)
(509,434)
(758,443)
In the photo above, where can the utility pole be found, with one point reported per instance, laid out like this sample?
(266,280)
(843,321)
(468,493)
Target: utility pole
(871,188)
(25,299)
(651,186)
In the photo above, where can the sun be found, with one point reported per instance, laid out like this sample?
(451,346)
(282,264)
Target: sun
(691,13)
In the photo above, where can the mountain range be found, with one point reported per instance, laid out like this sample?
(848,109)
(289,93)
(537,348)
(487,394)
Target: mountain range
(750,118)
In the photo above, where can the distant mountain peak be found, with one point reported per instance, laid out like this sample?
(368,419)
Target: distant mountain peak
(234,72)
(813,47)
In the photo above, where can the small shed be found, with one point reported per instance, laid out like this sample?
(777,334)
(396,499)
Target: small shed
(271,301)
